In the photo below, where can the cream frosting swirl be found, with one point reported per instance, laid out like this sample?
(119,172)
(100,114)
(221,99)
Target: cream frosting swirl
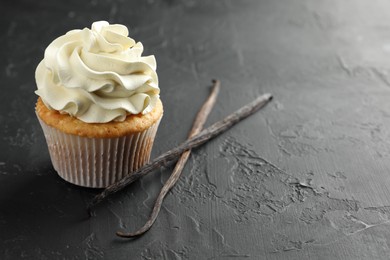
(97,75)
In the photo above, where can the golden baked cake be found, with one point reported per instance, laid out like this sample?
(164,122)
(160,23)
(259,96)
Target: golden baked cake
(71,125)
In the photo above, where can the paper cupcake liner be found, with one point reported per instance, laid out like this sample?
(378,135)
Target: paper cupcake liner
(97,162)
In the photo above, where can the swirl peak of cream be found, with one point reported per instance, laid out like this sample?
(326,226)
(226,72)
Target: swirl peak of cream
(97,75)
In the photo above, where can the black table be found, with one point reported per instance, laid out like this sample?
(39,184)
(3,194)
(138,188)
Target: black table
(307,177)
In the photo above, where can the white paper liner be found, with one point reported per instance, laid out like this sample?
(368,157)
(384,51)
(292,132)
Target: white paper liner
(97,162)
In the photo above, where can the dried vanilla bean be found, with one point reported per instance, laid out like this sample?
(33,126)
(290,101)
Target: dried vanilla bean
(197,126)
(196,141)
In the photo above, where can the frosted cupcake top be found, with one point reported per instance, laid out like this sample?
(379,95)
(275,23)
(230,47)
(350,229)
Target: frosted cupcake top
(97,75)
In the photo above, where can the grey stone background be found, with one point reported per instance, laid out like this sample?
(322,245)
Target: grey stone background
(305,178)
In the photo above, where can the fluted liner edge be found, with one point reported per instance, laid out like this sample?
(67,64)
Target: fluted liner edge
(97,162)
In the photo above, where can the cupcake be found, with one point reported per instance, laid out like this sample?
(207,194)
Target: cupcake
(98,105)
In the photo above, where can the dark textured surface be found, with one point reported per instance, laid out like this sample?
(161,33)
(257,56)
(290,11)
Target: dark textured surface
(306,178)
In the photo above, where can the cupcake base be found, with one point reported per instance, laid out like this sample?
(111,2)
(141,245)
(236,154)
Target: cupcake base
(98,162)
